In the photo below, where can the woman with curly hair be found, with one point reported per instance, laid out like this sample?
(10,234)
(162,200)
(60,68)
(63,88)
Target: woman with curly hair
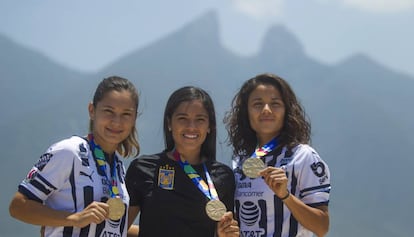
(282,184)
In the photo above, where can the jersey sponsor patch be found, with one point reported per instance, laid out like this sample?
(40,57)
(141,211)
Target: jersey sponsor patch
(166,177)
(83,153)
(253,219)
(32,174)
(43,160)
(319,170)
(110,234)
(87,175)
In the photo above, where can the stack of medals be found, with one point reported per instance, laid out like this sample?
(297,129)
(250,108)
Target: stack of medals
(115,203)
(215,209)
(253,165)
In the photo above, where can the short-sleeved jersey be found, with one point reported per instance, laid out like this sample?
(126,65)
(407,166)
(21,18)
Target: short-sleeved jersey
(66,177)
(260,212)
(170,203)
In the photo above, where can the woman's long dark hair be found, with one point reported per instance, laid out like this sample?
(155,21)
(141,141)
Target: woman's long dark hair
(296,126)
(187,94)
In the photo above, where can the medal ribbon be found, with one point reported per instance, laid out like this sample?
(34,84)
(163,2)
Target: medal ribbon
(264,150)
(99,156)
(210,191)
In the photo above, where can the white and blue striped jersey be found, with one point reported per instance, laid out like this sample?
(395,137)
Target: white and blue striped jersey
(67,178)
(260,212)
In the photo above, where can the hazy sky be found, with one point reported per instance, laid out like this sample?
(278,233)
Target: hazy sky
(89,34)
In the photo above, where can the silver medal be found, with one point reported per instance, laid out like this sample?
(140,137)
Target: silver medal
(215,209)
(252,166)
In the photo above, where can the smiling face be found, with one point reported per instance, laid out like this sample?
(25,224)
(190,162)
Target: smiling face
(113,119)
(266,112)
(189,126)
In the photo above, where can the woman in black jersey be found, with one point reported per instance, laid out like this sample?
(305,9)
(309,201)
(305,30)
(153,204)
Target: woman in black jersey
(77,187)
(183,191)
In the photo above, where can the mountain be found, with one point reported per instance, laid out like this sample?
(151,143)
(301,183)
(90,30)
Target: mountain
(27,72)
(360,112)
(361,124)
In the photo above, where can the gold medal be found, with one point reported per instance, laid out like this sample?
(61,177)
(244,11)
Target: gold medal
(116,208)
(215,209)
(252,166)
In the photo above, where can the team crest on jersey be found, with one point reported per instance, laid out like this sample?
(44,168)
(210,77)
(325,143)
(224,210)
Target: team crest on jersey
(43,160)
(166,177)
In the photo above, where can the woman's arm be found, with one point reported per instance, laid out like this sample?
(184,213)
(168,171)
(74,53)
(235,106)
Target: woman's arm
(36,213)
(132,214)
(315,219)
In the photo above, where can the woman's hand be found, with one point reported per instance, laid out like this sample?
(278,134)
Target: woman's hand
(96,212)
(276,179)
(227,226)
(36,213)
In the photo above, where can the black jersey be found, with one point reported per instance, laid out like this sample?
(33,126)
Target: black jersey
(170,203)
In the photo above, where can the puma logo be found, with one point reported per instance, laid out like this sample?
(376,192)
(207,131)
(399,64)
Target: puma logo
(87,175)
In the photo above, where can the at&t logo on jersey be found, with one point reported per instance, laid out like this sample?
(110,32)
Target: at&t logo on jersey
(110,234)
(250,216)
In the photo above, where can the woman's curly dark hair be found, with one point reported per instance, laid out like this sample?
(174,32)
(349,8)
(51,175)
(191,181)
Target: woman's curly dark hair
(296,126)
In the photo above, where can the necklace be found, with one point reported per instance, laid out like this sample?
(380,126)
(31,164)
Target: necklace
(253,165)
(215,209)
(116,205)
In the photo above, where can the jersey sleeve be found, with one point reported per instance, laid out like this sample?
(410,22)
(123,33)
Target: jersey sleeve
(139,179)
(49,173)
(313,176)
